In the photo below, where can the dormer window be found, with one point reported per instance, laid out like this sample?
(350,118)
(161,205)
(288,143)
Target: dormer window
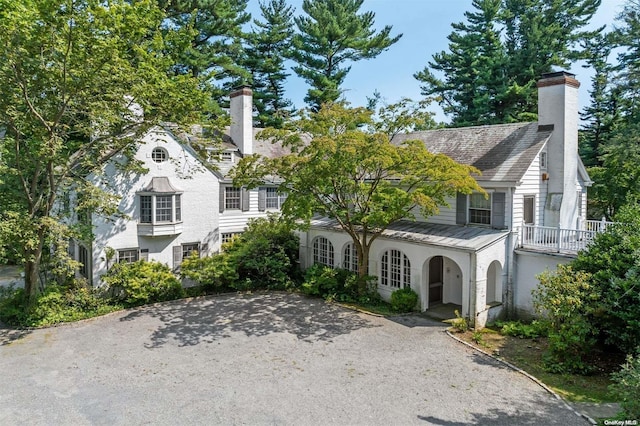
(226,156)
(159,155)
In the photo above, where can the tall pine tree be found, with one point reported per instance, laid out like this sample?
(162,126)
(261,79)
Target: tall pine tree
(215,51)
(496,58)
(473,87)
(268,45)
(332,34)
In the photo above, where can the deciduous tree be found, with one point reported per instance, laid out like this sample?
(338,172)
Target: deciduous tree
(355,176)
(81,81)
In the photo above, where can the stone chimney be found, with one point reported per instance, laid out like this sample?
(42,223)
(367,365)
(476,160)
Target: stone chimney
(558,106)
(241,110)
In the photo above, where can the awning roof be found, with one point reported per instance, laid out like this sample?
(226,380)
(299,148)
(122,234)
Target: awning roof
(161,185)
(467,238)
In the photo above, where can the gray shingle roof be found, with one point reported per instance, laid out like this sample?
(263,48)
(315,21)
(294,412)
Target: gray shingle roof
(502,152)
(467,238)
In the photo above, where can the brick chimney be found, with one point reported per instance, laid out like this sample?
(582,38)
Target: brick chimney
(558,106)
(241,110)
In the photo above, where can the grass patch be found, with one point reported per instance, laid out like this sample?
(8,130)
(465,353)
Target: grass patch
(527,355)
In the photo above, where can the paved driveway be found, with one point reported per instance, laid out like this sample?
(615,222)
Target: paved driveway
(260,359)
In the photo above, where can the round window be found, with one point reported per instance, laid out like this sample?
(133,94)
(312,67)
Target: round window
(159,155)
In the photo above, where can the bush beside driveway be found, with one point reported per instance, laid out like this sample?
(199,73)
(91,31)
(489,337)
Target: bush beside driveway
(271,358)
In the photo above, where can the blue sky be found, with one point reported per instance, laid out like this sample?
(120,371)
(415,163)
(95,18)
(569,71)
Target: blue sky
(425,25)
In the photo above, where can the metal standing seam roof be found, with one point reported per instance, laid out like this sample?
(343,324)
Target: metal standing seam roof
(502,152)
(467,238)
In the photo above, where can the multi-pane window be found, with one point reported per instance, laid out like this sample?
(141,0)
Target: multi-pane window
(226,156)
(128,256)
(395,269)
(168,208)
(159,155)
(227,237)
(187,249)
(543,160)
(350,257)
(164,208)
(323,252)
(145,209)
(479,209)
(232,197)
(274,200)
(529,213)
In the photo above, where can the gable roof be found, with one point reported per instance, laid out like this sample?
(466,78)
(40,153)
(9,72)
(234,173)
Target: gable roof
(502,152)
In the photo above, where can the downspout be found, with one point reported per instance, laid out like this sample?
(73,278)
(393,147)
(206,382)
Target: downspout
(472,289)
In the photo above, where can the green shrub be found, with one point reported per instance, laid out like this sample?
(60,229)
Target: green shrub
(54,305)
(404,300)
(533,330)
(339,284)
(567,299)
(217,272)
(265,256)
(627,387)
(138,283)
(459,323)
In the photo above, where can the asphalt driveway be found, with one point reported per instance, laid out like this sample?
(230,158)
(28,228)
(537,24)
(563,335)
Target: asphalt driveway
(260,359)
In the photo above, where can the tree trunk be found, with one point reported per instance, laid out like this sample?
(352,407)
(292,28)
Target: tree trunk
(32,268)
(363,266)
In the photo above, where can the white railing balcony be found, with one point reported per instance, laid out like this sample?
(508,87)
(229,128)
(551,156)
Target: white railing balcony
(561,240)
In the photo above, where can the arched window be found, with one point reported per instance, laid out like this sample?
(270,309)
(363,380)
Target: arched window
(159,155)
(350,258)
(323,251)
(395,269)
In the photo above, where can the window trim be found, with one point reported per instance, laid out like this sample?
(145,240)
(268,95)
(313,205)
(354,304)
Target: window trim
(480,209)
(524,208)
(323,255)
(350,257)
(159,155)
(123,259)
(227,199)
(147,217)
(395,269)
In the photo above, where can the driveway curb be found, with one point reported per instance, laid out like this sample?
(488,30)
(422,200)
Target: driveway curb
(521,371)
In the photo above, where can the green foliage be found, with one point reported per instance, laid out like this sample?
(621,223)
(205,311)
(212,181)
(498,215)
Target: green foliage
(613,261)
(339,284)
(626,386)
(567,298)
(269,44)
(495,58)
(265,256)
(75,76)
(459,323)
(332,34)
(218,271)
(54,305)
(533,330)
(404,300)
(138,283)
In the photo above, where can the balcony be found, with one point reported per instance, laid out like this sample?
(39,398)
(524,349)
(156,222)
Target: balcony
(560,240)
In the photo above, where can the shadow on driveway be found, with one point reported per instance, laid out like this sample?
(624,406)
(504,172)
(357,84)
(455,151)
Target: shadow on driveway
(205,320)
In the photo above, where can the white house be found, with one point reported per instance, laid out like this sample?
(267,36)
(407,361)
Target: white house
(483,254)
(183,203)
(478,254)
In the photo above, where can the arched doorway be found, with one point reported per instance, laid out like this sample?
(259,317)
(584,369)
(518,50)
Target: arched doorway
(442,283)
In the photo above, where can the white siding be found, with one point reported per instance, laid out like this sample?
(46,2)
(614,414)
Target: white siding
(199,202)
(236,220)
(532,184)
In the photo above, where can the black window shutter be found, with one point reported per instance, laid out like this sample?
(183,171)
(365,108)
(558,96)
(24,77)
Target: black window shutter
(222,191)
(245,200)
(262,199)
(461,209)
(497,210)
